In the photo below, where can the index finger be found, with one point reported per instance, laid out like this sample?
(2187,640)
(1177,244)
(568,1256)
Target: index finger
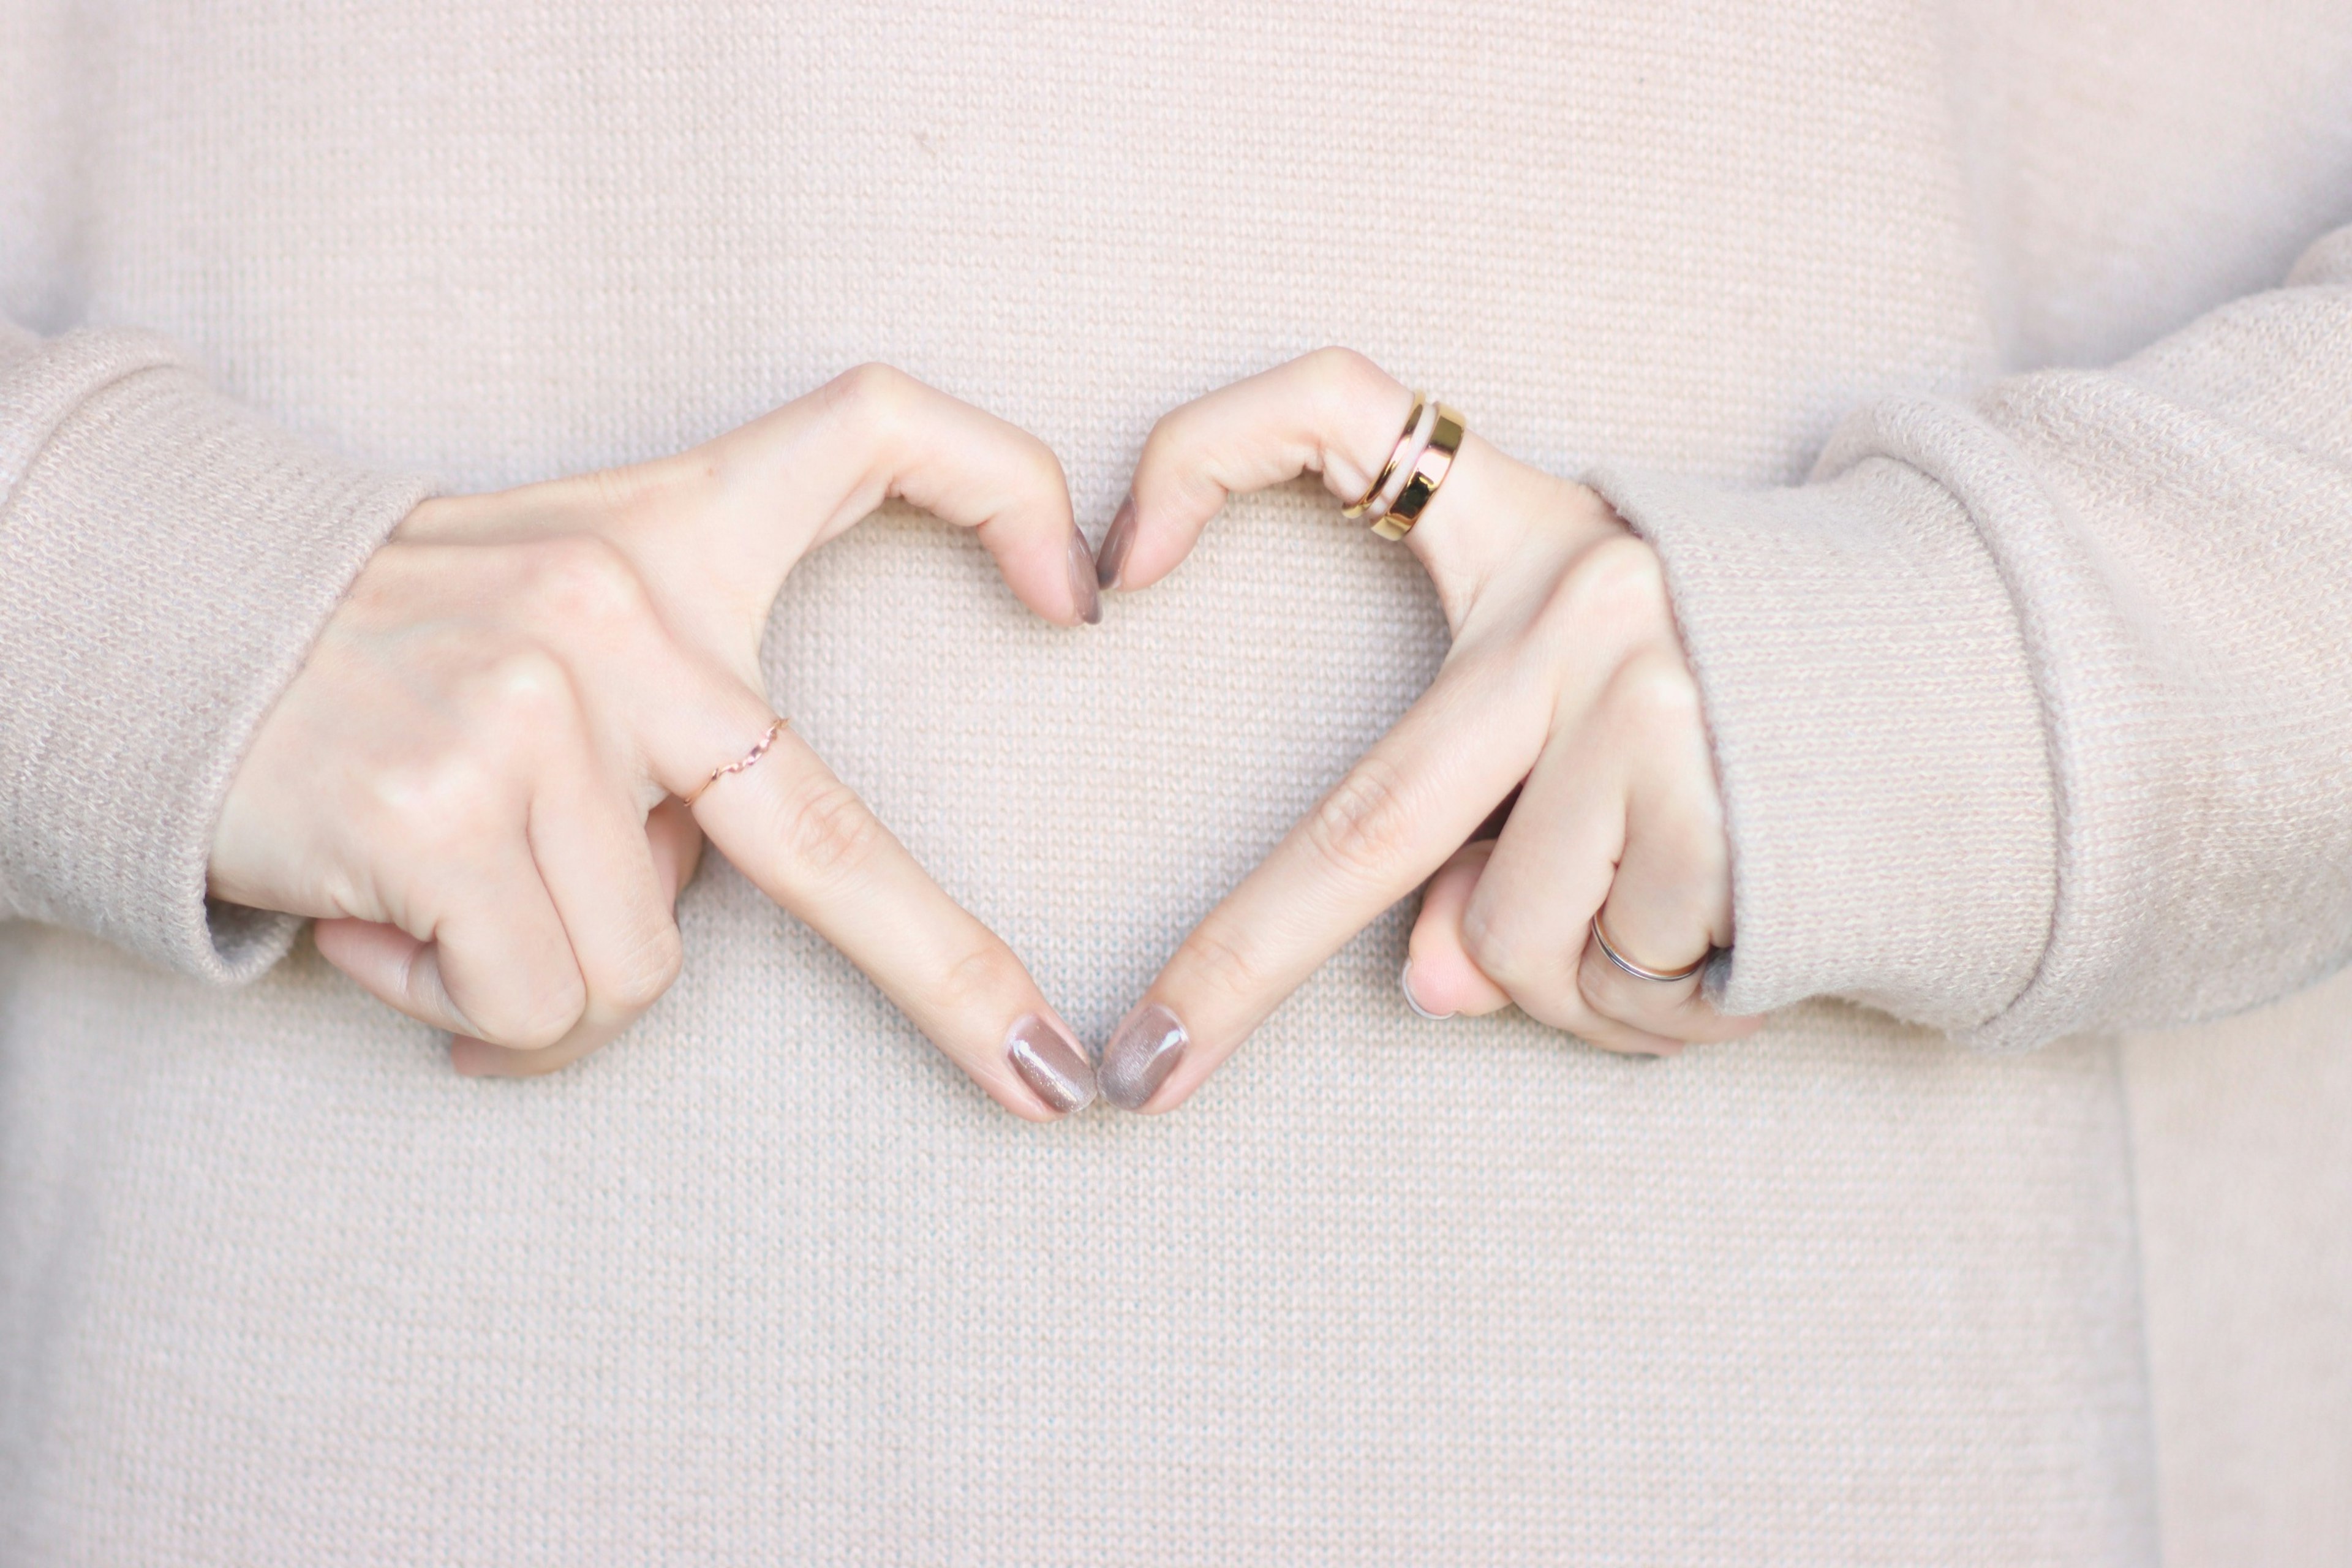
(806,840)
(1400,814)
(1333,413)
(875,434)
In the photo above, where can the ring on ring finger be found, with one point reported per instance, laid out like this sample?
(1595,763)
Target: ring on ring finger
(1609,951)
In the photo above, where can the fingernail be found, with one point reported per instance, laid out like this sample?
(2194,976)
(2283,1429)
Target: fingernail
(1111,559)
(1141,1054)
(1050,1063)
(1082,580)
(1405,983)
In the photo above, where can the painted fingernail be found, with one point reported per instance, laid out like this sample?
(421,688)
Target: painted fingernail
(1405,983)
(1141,1054)
(1083,592)
(1050,1063)
(1111,559)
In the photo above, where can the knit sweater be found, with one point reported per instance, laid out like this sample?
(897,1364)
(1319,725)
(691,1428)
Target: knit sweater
(1983,379)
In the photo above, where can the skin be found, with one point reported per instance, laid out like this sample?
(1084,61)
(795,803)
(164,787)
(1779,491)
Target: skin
(1566,683)
(473,784)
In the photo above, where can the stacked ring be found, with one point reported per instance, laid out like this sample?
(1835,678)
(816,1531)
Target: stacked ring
(1423,456)
(1429,467)
(1380,489)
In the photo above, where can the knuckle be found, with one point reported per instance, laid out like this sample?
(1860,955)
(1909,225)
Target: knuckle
(869,397)
(1342,383)
(1342,372)
(1653,694)
(443,802)
(1221,962)
(583,582)
(522,694)
(1488,943)
(1044,475)
(1612,1000)
(826,834)
(1499,945)
(1618,583)
(536,1017)
(977,982)
(1363,828)
(650,971)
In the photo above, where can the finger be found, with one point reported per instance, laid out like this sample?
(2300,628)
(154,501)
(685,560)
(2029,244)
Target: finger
(665,850)
(1670,903)
(1331,413)
(1629,789)
(498,966)
(875,434)
(1440,981)
(724,523)
(1403,810)
(1524,925)
(594,857)
(808,842)
(1334,413)
(676,841)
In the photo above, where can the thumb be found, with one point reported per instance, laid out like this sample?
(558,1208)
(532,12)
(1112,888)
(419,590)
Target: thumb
(1439,975)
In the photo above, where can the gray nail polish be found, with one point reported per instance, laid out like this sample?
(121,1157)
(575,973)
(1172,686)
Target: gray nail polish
(1141,1054)
(1051,1064)
(1111,559)
(1405,983)
(1082,580)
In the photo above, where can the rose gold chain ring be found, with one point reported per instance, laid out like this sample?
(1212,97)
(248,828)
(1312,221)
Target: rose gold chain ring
(749,757)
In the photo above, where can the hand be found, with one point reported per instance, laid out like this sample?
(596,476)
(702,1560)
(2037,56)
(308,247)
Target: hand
(1566,683)
(472,783)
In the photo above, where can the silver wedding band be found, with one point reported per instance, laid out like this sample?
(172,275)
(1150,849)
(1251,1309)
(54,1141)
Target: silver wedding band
(1608,952)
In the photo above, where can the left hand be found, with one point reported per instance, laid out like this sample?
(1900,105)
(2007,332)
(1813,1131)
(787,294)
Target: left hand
(1566,681)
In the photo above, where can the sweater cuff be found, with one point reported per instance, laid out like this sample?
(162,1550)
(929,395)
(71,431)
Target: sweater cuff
(1877,737)
(170,557)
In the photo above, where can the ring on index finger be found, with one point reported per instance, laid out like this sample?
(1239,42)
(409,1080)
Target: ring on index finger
(747,759)
(1639,972)
(1381,493)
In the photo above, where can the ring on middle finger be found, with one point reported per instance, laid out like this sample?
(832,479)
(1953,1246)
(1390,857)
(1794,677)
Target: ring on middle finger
(1422,475)
(1382,492)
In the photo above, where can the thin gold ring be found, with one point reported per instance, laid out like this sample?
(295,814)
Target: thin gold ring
(749,757)
(1608,952)
(1429,467)
(1396,458)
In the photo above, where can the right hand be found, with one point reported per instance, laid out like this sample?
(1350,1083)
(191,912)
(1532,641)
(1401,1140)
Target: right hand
(472,783)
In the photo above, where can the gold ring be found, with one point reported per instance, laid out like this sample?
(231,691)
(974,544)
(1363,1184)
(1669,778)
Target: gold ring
(1608,952)
(754,755)
(1396,457)
(1429,470)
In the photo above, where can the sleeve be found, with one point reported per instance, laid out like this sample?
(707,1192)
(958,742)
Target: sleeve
(2033,713)
(166,559)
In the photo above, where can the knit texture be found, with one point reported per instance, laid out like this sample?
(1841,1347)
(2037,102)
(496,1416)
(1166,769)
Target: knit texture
(767,1282)
(1895,784)
(169,558)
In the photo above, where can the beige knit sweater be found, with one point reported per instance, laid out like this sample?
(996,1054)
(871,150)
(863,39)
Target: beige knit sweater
(2031,689)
